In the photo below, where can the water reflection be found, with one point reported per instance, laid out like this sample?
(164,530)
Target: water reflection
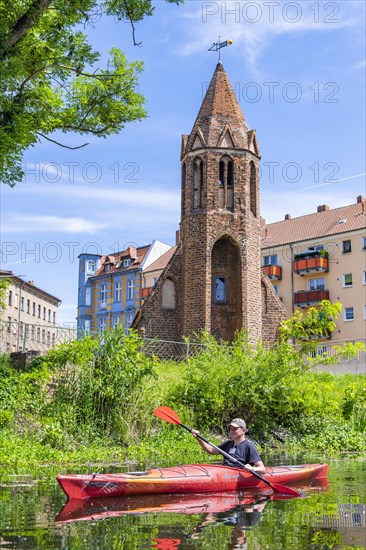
(238,511)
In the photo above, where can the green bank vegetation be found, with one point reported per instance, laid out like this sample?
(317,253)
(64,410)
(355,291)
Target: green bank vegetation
(92,400)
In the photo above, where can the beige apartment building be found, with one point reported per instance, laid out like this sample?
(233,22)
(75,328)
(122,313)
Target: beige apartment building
(321,256)
(29,320)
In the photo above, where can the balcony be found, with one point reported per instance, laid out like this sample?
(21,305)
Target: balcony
(146,291)
(273,271)
(310,262)
(305,298)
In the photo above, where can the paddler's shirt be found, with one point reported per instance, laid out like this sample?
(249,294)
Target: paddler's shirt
(245,451)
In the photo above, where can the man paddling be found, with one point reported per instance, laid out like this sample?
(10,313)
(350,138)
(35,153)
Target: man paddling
(237,446)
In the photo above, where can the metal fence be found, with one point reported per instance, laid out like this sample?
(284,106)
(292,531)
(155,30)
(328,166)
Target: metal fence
(35,338)
(38,339)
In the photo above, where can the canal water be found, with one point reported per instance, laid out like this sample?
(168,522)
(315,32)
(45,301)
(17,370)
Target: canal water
(34,515)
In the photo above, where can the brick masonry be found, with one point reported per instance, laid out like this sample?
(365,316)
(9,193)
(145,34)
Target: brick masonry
(220,233)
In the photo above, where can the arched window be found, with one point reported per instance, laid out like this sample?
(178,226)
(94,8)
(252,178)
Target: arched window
(184,173)
(226,183)
(168,295)
(253,188)
(197,183)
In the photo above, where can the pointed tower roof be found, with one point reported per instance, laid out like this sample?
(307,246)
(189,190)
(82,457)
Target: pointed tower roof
(220,119)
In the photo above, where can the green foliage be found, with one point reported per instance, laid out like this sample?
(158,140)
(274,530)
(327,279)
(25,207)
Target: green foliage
(51,78)
(4,283)
(97,383)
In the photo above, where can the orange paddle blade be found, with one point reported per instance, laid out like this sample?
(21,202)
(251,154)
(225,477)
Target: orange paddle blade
(167,414)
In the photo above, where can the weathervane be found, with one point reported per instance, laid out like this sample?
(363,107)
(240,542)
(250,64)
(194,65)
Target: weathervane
(216,46)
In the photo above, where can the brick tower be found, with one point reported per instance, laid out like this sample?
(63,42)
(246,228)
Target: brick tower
(214,279)
(220,226)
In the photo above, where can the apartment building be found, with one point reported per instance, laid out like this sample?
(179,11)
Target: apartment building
(321,256)
(112,287)
(30,316)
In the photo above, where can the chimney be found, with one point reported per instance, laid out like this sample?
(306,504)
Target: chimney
(132,252)
(360,198)
(31,283)
(287,216)
(177,237)
(323,208)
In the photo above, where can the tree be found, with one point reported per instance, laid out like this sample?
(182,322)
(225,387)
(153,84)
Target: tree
(4,283)
(51,78)
(318,323)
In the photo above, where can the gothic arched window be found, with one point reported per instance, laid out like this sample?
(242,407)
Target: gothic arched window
(253,189)
(226,183)
(197,183)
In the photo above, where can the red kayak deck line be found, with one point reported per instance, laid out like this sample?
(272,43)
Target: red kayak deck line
(190,478)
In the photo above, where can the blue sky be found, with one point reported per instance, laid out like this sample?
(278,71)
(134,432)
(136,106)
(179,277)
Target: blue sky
(298,69)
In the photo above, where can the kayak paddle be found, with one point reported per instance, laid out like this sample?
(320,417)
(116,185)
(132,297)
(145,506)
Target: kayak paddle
(167,414)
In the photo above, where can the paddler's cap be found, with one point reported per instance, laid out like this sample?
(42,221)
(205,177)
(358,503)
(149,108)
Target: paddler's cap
(238,423)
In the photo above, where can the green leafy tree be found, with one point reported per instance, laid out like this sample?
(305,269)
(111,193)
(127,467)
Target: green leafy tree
(52,79)
(4,283)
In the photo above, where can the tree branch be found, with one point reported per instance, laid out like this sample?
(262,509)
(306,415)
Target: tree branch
(132,25)
(26,21)
(61,144)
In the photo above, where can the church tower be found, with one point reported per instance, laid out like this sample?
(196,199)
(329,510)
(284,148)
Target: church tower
(214,280)
(220,225)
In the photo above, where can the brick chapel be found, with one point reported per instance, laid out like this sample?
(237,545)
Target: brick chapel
(214,280)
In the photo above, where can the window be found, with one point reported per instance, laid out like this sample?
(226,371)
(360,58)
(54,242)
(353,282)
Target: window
(129,319)
(346,246)
(316,284)
(197,183)
(364,277)
(39,311)
(117,291)
(44,313)
(9,325)
(363,243)
(33,308)
(28,306)
(38,334)
(22,304)
(348,313)
(43,336)
(347,279)
(107,267)
(54,317)
(130,289)
(88,296)
(90,267)
(33,333)
(87,325)
(102,324)
(315,248)
(49,315)
(270,260)
(103,293)
(10,298)
(127,262)
(219,290)
(21,329)
(116,321)
(226,183)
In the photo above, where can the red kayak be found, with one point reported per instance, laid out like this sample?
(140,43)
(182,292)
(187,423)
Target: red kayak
(191,478)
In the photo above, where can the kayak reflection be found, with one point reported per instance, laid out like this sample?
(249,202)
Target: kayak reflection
(244,507)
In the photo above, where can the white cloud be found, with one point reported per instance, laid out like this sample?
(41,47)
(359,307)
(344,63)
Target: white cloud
(254,25)
(52,224)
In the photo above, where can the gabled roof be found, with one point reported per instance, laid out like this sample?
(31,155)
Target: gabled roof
(314,226)
(219,108)
(161,262)
(137,256)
